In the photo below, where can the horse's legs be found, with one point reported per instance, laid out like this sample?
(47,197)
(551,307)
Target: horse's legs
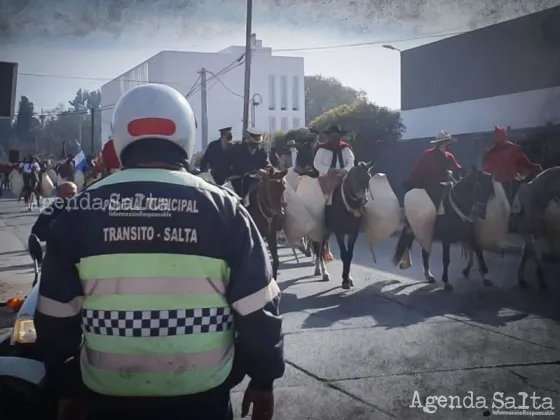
(350,255)
(446,248)
(273,247)
(482,267)
(345,261)
(318,253)
(531,250)
(426,262)
(468,255)
(525,256)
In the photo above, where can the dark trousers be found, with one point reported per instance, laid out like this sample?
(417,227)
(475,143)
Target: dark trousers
(435,192)
(212,406)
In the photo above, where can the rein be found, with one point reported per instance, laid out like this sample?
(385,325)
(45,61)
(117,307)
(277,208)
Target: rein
(455,206)
(351,198)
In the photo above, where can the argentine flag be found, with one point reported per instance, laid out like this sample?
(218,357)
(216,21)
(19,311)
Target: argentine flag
(80,161)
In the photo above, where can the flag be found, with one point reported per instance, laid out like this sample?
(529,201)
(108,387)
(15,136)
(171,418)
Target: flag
(80,161)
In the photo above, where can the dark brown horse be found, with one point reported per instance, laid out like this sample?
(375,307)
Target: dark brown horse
(266,207)
(32,189)
(343,218)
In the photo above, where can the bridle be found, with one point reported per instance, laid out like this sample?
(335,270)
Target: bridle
(350,197)
(471,215)
(264,197)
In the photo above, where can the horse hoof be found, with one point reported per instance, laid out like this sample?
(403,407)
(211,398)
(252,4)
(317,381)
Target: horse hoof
(317,272)
(326,277)
(430,278)
(351,282)
(346,285)
(487,282)
(447,286)
(466,273)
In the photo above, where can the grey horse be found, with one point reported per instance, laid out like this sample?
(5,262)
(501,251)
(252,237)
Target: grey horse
(535,198)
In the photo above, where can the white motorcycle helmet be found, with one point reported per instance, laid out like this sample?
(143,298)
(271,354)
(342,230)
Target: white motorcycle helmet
(156,112)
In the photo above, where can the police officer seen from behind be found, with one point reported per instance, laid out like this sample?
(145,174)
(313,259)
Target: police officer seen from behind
(165,283)
(216,157)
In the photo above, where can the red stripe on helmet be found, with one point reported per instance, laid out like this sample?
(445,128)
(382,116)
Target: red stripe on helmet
(152,127)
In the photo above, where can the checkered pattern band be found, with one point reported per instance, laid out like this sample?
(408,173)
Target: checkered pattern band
(157,323)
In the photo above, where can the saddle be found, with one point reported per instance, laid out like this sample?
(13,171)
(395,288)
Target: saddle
(328,183)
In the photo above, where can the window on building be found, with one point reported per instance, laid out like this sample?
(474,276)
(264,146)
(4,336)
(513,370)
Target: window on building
(283,93)
(295,93)
(271,93)
(272,124)
(284,123)
(295,123)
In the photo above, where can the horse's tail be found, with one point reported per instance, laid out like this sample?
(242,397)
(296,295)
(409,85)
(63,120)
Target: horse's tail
(403,245)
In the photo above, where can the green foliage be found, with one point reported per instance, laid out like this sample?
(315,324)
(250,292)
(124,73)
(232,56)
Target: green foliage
(53,127)
(282,137)
(324,93)
(369,126)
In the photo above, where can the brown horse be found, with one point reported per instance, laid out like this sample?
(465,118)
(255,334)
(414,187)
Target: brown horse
(266,207)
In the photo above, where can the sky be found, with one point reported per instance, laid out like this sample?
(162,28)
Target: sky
(64,45)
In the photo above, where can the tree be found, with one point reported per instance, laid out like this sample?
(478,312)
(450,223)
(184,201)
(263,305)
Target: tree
(322,94)
(85,100)
(370,127)
(25,122)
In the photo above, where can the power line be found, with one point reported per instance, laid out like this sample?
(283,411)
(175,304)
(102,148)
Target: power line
(371,43)
(224,85)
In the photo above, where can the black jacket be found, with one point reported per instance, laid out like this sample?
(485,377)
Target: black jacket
(87,230)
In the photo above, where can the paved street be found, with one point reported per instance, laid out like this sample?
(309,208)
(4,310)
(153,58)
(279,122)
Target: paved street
(362,354)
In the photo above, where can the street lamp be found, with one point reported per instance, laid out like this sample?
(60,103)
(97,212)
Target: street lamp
(256,100)
(390,47)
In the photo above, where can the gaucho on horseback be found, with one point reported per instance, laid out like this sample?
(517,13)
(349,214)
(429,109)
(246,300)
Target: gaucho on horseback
(30,170)
(507,162)
(248,158)
(432,169)
(333,158)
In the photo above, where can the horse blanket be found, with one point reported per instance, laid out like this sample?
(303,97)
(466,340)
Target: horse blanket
(492,231)
(383,216)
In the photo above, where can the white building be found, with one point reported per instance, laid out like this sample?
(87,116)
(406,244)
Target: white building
(278,80)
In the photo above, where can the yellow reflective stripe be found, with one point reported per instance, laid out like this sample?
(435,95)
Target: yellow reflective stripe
(57,309)
(257,300)
(154,286)
(157,363)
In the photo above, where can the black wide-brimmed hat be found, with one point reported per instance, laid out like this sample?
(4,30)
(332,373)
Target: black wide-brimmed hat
(335,129)
(225,130)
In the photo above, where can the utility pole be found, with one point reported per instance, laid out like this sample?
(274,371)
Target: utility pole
(92,132)
(204,110)
(248,45)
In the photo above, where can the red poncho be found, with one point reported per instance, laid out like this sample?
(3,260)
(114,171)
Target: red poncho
(431,169)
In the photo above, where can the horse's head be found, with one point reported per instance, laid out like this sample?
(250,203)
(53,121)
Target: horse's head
(271,191)
(359,176)
(476,188)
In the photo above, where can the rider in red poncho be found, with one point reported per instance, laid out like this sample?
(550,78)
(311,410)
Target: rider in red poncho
(432,168)
(507,162)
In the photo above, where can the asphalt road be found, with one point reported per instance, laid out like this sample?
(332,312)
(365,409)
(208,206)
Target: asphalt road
(362,354)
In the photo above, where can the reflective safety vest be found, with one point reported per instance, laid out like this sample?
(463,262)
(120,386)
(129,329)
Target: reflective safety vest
(154,324)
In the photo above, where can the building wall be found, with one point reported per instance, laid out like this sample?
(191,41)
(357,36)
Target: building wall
(514,56)
(506,74)
(518,110)
(224,96)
